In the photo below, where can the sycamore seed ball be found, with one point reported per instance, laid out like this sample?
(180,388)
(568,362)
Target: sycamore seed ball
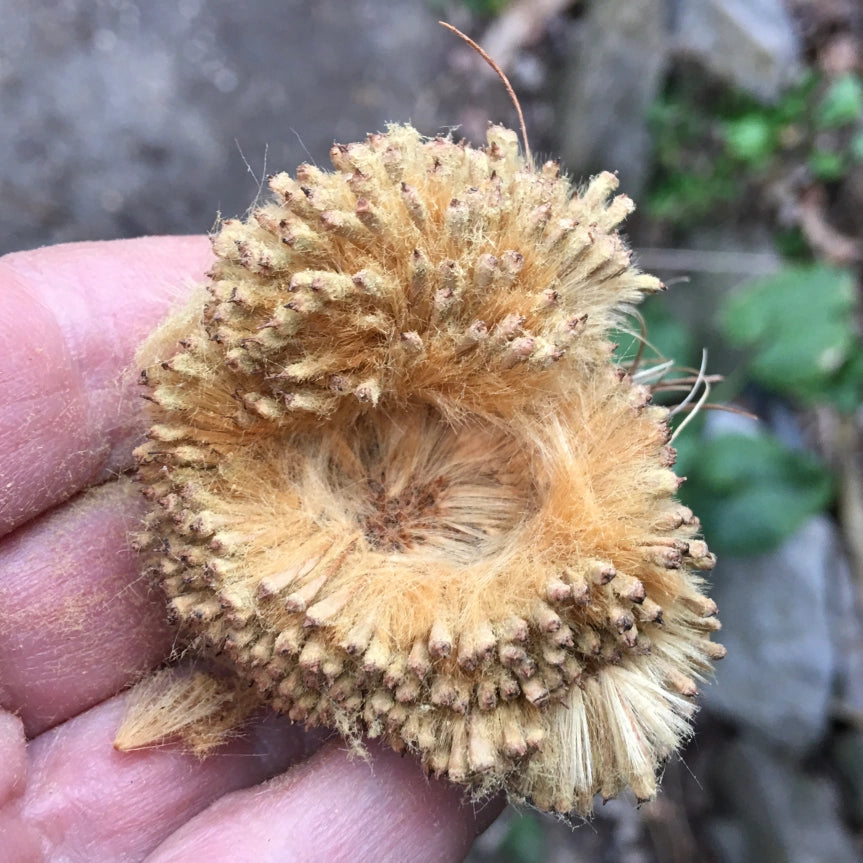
(399,488)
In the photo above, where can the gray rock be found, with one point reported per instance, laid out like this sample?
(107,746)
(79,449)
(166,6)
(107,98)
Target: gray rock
(847,754)
(779,672)
(847,629)
(129,118)
(727,839)
(618,62)
(784,812)
(749,43)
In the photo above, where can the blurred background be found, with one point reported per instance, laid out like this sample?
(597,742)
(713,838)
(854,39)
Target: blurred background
(737,126)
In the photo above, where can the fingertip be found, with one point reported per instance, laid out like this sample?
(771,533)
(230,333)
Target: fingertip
(337,807)
(89,802)
(13,757)
(20,843)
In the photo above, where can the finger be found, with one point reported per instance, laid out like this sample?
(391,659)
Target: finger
(19,842)
(77,622)
(89,802)
(333,807)
(13,755)
(70,320)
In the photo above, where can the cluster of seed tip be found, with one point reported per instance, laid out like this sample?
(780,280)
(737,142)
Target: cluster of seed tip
(399,486)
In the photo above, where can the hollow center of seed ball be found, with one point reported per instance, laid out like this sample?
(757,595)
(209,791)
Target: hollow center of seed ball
(415,485)
(401,521)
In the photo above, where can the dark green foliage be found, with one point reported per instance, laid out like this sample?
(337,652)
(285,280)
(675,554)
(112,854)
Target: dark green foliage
(666,336)
(841,104)
(485,7)
(715,147)
(689,179)
(750,138)
(751,493)
(524,841)
(798,329)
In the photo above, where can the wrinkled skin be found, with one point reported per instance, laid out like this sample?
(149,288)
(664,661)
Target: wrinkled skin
(77,624)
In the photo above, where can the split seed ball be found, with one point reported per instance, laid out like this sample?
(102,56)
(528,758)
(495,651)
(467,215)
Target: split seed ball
(400,488)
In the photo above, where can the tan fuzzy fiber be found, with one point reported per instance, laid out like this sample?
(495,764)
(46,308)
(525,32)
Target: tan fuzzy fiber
(399,485)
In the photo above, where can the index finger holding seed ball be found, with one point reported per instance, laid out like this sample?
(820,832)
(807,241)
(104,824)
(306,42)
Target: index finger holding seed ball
(400,488)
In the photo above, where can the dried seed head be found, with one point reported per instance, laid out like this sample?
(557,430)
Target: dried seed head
(395,477)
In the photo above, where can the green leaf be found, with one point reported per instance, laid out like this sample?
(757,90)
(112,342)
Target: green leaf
(485,7)
(793,107)
(841,104)
(750,138)
(752,493)
(524,841)
(845,388)
(664,332)
(688,446)
(827,165)
(680,196)
(790,243)
(799,326)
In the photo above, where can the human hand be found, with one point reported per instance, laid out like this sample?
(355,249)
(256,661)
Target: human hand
(77,623)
